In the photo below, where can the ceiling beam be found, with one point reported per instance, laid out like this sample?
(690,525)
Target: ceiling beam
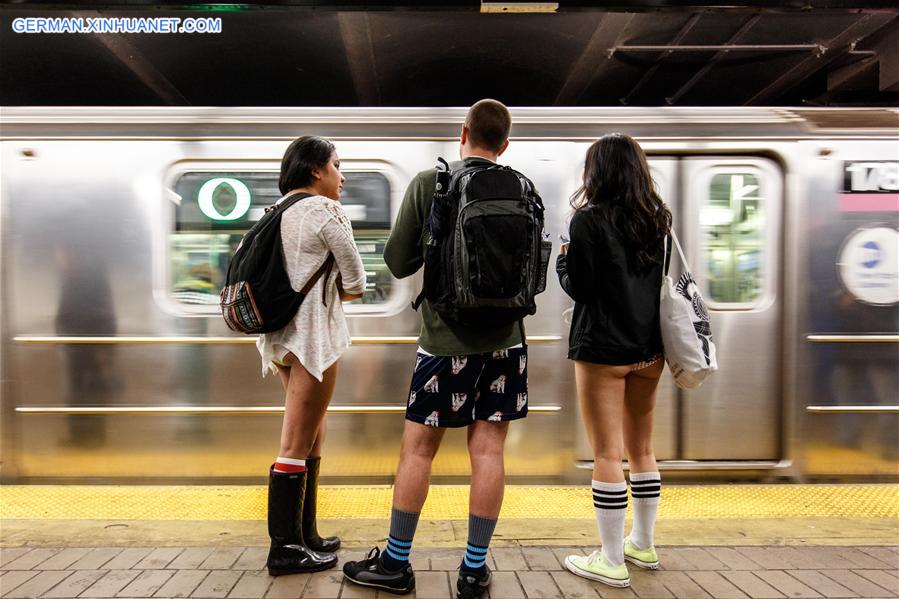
(845,77)
(595,57)
(134,61)
(743,30)
(651,71)
(865,25)
(888,51)
(355,31)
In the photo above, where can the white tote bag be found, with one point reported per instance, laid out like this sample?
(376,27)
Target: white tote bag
(686,331)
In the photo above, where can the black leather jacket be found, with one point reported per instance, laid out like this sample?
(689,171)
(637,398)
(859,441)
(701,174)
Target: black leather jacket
(616,309)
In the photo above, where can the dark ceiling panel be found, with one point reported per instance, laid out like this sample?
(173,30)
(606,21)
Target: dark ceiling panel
(516,56)
(287,57)
(271,59)
(65,69)
(469,5)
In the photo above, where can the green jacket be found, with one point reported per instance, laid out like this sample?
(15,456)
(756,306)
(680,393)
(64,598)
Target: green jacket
(404,254)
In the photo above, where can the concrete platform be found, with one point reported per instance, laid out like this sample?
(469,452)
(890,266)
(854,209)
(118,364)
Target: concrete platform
(714,541)
(520,573)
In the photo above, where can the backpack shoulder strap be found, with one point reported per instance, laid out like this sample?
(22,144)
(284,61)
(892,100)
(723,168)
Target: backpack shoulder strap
(289,201)
(416,303)
(326,267)
(468,170)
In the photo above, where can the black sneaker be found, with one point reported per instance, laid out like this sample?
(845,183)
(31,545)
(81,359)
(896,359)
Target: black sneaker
(370,572)
(472,585)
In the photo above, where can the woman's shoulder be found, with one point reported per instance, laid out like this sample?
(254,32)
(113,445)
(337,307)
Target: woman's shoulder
(591,216)
(313,202)
(313,205)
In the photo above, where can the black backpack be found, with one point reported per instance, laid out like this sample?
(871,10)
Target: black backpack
(486,256)
(257,296)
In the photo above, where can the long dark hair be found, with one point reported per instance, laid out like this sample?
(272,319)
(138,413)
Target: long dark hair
(302,155)
(616,175)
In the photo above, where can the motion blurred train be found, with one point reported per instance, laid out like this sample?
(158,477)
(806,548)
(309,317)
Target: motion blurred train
(118,225)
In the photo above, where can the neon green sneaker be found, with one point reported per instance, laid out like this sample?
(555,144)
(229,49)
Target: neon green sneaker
(647,559)
(595,567)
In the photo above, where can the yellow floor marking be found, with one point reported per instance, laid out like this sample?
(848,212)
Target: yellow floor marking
(445,502)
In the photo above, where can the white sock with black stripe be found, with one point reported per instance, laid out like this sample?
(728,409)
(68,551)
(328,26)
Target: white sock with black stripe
(645,490)
(610,505)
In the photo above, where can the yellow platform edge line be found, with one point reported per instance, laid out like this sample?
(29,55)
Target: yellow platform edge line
(445,502)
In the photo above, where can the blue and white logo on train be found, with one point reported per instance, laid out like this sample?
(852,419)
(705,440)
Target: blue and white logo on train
(871,254)
(869,265)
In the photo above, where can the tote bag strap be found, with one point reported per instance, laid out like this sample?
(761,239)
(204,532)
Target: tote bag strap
(667,260)
(666,255)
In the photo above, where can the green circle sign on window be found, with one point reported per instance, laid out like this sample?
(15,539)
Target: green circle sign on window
(241,198)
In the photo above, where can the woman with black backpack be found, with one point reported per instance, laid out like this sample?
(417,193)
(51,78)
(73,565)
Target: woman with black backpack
(318,248)
(612,268)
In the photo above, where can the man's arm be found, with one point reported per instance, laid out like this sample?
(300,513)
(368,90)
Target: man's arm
(402,252)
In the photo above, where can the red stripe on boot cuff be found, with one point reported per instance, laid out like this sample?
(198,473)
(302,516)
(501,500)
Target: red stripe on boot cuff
(288,468)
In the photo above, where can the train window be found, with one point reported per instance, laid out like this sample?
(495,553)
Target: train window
(215,208)
(732,223)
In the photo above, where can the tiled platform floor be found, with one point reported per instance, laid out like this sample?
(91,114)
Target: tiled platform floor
(520,573)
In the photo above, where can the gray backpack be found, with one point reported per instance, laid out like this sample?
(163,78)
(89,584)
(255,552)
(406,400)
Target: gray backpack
(486,255)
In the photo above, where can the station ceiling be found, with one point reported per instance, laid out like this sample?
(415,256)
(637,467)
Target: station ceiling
(306,53)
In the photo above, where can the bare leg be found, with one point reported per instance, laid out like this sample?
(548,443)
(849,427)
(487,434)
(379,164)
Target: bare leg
(600,390)
(284,376)
(304,408)
(413,477)
(640,399)
(316,451)
(485,449)
(639,405)
(601,394)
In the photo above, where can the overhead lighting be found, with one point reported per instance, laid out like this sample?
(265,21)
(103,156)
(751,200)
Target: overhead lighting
(519,7)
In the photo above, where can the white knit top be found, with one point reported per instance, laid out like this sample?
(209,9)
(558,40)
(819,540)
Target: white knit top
(318,334)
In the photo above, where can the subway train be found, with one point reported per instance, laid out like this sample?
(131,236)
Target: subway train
(118,225)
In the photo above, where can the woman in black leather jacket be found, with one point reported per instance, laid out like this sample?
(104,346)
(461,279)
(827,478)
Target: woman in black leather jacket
(612,268)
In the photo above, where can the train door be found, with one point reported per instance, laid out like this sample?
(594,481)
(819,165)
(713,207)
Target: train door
(730,227)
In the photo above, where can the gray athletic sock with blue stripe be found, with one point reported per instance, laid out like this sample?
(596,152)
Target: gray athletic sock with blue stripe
(399,542)
(480,531)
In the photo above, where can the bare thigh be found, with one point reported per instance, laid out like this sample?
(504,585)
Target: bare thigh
(316,449)
(305,405)
(639,408)
(601,393)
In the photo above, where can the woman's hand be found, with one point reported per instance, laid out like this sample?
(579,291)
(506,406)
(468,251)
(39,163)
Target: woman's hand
(344,296)
(563,249)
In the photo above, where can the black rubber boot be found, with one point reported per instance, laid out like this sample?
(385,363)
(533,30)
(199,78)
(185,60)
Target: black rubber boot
(310,531)
(289,554)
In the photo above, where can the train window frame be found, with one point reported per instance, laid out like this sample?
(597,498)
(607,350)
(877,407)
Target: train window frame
(400,292)
(698,185)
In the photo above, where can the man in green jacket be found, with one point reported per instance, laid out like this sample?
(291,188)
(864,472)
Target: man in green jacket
(474,377)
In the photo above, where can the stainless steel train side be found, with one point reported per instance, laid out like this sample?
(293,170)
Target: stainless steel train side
(117,223)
